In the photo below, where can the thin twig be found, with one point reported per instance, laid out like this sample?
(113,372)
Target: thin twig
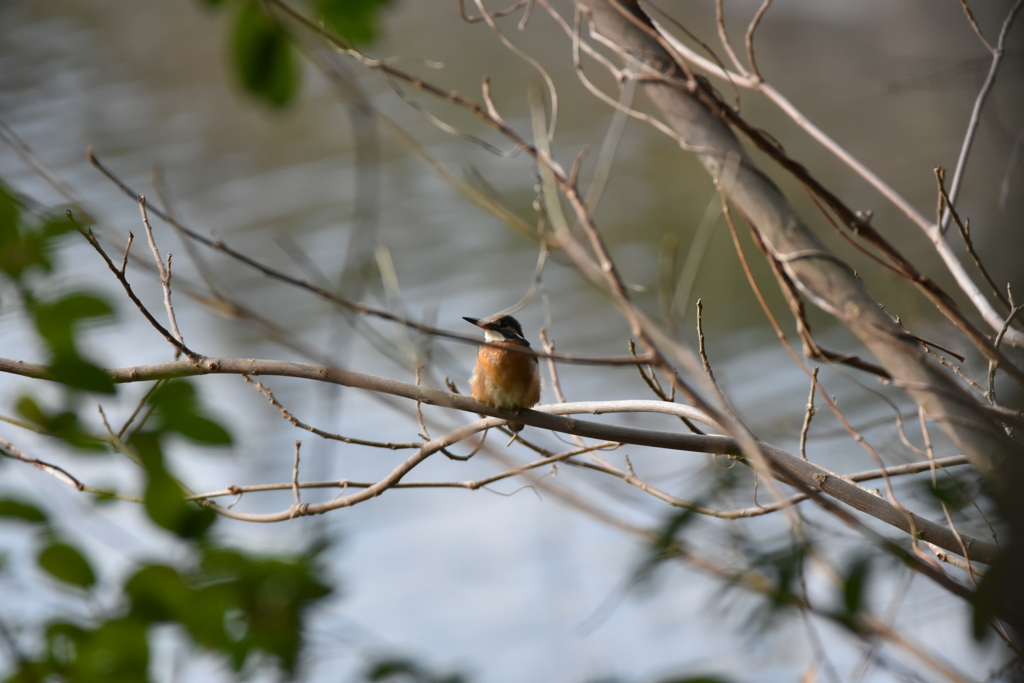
(651,380)
(972,124)
(295,477)
(287,415)
(549,347)
(164,271)
(945,510)
(472,484)
(750,36)
(219,245)
(992,364)
(171,339)
(931,229)
(500,13)
(127,249)
(808,414)
(549,83)
(974,25)
(723,36)
(59,473)
(965,232)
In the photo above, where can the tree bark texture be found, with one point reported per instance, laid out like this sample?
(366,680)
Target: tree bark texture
(821,276)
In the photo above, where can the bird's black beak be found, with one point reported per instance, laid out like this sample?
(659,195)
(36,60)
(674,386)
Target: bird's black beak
(475,321)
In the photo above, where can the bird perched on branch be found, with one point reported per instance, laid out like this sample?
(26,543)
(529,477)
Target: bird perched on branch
(502,378)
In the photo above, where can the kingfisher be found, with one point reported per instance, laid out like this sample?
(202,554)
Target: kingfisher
(501,378)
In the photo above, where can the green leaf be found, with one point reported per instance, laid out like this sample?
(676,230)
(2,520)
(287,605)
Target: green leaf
(271,596)
(57,224)
(854,586)
(116,651)
(80,305)
(233,603)
(18,510)
(66,564)
(354,20)
(203,430)
(18,253)
(386,668)
(946,491)
(178,408)
(264,56)
(56,320)
(31,411)
(175,398)
(406,671)
(25,241)
(64,426)
(10,209)
(157,593)
(72,371)
(166,505)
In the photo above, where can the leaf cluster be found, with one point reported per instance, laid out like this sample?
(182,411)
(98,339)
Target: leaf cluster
(229,603)
(264,56)
(27,244)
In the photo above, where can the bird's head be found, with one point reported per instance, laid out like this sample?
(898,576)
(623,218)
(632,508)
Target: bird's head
(506,328)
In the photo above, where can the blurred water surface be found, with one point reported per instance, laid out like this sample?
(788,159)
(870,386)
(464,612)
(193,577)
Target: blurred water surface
(518,587)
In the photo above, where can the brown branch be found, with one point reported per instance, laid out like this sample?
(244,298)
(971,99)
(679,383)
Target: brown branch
(965,232)
(325,435)
(723,36)
(343,484)
(218,245)
(808,414)
(171,339)
(164,271)
(750,37)
(972,125)
(790,468)
(11,451)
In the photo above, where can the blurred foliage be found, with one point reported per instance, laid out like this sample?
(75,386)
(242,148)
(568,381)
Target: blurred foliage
(66,564)
(354,20)
(64,425)
(262,50)
(230,603)
(14,509)
(27,242)
(946,491)
(784,568)
(402,670)
(264,56)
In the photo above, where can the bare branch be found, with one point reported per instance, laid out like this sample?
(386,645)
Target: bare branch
(127,249)
(972,124)
(808,414)
(59,473)
(171,339)
(946,204)
(931,229)
(750,36)
(723,36)
(164,271)
(326,435)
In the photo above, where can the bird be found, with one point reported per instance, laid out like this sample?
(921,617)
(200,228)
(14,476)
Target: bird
(502,378)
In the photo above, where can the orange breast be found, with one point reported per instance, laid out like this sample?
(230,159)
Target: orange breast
(505,379)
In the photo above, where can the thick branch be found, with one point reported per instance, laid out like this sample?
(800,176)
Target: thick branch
(789,467)
(819,275)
